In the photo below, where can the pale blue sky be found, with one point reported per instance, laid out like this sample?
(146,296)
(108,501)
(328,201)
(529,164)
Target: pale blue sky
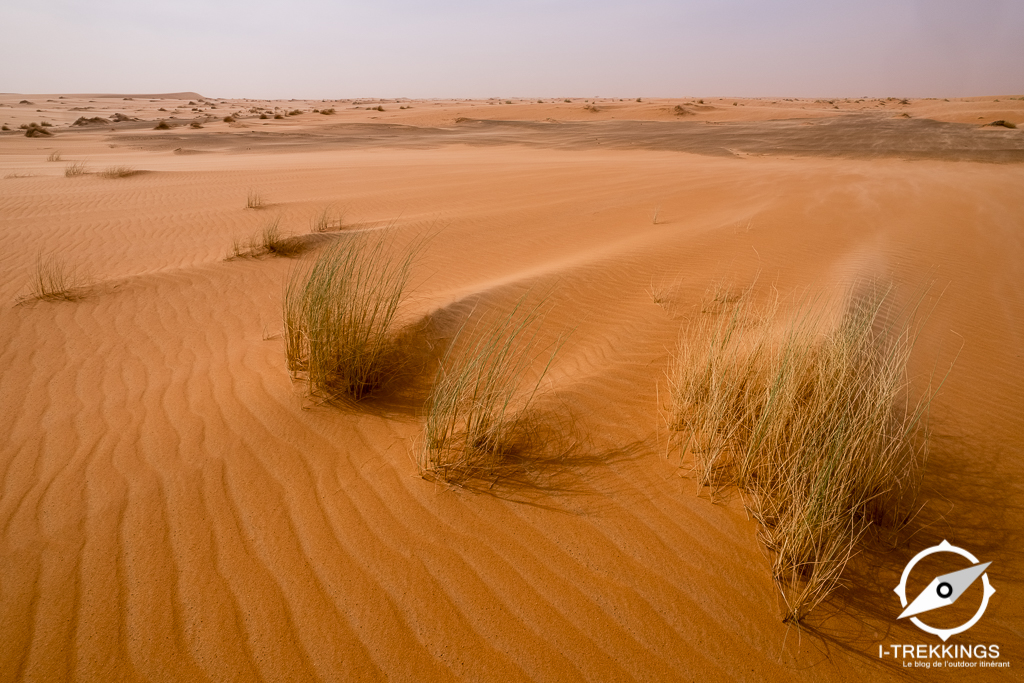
(538,48)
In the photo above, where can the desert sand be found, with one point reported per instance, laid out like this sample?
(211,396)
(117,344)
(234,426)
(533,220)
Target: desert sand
(172,508)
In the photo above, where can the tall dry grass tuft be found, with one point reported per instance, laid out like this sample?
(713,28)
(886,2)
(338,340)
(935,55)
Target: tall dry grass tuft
(476,413)
(340,316)
(813,419)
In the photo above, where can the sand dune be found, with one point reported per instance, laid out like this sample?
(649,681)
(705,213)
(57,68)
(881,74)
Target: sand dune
(171,508)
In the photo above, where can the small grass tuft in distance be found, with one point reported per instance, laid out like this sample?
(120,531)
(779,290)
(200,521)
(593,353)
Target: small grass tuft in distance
(54,156)
(340,316)
(328,220)
(477,411)
(119,172)
(76,169)
(812,419)
(254,200)
(269,241)
(54,280)
(163,125)
(34,130)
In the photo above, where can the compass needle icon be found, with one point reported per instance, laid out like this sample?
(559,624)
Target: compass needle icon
(944,590)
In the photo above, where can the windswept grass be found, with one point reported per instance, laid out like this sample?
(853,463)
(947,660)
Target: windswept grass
(54,280)
(340,316)
(814,420)
(477,411)
(74,170)
(54,156)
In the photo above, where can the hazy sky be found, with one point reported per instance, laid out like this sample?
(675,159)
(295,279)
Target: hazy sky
(539,48)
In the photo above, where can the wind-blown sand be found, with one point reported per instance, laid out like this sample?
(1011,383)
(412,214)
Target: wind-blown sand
(171,509)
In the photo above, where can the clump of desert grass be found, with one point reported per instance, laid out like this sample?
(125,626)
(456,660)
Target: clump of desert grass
(269,241)
(76,169)
(812,419)
(54,280)
(54,156)
(36,130)
(341,316)
(477,413)
(328,219)
(119,172)
(254,200)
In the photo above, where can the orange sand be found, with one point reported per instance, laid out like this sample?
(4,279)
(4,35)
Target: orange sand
(172,510)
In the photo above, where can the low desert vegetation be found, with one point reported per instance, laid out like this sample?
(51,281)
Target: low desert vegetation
(477,413)
(254,200)
(163,125)
(812,419)
(119,172)
(269,241)
(341,313)
(34,130)
(328,220)
(76,169)
(54,280)
(54,156)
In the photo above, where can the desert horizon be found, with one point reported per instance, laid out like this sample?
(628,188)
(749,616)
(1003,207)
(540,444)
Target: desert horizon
(489,389)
